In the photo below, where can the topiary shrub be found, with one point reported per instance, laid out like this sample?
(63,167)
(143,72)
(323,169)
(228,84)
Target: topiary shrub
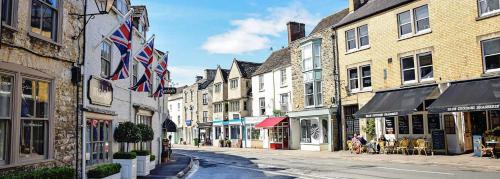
(124,155)
(127,132)
(104,170)
(141,152)
(43,173)
(152,158)
(146,132)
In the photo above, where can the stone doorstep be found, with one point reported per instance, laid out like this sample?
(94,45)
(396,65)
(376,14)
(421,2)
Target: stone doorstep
(462,161)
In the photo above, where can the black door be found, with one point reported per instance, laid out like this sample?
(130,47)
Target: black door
(478,120)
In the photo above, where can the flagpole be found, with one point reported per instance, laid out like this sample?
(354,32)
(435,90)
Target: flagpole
(145,44)
(129,13)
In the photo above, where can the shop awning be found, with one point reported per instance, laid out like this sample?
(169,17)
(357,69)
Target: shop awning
(169,125)
(475,95)
(395,102)
(270,122)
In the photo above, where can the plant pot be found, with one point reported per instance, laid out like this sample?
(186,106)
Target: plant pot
(129,168)
(114,176)
(152,165)
(143,165)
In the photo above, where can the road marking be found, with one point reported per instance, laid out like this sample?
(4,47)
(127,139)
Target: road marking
(419,171)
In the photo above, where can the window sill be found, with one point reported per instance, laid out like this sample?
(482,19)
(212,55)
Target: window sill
(412,84)
(488,15)
(9,27)
(30,162)
(45,39)
(364,90)
(283,86)
(424,32)
(358,49)
(490,73)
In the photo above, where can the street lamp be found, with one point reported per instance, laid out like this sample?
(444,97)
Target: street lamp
(104,6)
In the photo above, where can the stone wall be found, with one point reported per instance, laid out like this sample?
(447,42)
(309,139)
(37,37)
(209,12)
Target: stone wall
(55,60)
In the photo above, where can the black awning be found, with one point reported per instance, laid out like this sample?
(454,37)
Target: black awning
(399,102)
(475,95)
(169,125)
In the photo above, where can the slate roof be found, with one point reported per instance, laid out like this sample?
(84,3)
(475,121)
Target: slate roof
(372,7)
(247,68)
(225,74)
(331,20)
(279,58)
(205,82)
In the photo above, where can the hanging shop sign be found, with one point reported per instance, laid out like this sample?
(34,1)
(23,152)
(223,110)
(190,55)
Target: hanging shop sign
(100,92)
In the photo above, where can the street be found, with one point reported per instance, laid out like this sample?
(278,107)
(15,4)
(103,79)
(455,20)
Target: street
(256,164)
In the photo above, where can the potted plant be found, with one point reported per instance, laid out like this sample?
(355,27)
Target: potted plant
(55,172)
(106,171)
(152,163)
(142,162)
(221,143)
(228,143)
(196,141)
(147,135)
(127,132)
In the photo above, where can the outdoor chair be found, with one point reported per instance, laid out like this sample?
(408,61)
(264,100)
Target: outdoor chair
(403,146)
(421,146)
(391,146)
(382,147)
(350,146)
(414,146)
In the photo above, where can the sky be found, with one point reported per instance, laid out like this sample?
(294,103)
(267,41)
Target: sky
(202,34)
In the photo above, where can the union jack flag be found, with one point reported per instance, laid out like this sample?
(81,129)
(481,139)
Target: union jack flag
(145,56)
(122,39)
(161,71)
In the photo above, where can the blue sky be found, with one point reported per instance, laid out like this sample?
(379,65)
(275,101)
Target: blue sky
(202,34)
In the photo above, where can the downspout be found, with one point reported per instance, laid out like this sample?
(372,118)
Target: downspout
(79,111)
(336,78)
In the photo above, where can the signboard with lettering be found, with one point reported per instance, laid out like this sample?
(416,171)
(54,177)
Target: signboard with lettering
(100,92)
(188,122)
(169,90)
(439,141)
(473,108)
(382,114)
(389,125)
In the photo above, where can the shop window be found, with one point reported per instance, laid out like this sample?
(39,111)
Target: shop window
(351,121)
(417,122)
(494,119)
(98,141)
(254,133)
(45,18)
(449,124)
(305,126)
(143,119)
(218,132)
(235,132)
(105,59)
(433,122)
(9,9)
(325,128)
(491,54)
(487,7)
(389,125)
(404,125)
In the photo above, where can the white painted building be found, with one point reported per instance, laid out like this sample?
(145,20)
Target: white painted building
(108,103)
(271,96)
(175,107)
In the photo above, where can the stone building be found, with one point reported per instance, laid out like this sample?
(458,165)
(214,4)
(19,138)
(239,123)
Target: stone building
(205,108)
(37,97)
(314,108)
(220,107)
(403,64)
(107,103)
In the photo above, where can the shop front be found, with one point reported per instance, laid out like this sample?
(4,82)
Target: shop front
(278,130)
(229,130)
(255,137)
(474,105)
(205,133)
(311,130)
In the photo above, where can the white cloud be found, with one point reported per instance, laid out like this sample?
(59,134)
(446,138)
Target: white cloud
(184,75)
(253,33)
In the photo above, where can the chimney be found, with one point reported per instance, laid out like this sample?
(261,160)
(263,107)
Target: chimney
(295,31)
(198,78)
(209,73)
(356,4)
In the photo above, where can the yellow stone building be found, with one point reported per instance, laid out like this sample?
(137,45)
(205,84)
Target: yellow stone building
(416,47)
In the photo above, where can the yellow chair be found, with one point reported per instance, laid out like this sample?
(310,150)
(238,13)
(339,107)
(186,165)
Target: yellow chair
(382,147)
(391,146)
(403,146)
(350,146)
(421,146)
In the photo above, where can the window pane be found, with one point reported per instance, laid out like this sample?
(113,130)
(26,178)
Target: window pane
(317,75)
(404,18)
(351,44)
(353,73)
(309,88)
(366,71)
(52,3)
(421,12)
(7,12)
(491,47)
(489,5)
(426,72)
(367,82)
(423,24)
(307,51)
(407,63)
(425,59)
(42,103)
(433,122)
(3,139)
(425,62)
(363,35)
(405,29)
(350,34)
(404,125)
(28,99)
(32,144)
(48,22)
(5,95)
(36,17)
(308,64)
(409,75)
(363,30)
(319,98)
(418,124)
(363,41)
(492,62)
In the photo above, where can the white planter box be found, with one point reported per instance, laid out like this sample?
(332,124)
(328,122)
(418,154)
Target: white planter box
(115,176)
(142,165)
(129,168)
(152,165)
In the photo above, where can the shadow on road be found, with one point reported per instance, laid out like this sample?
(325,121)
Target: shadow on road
(220,165)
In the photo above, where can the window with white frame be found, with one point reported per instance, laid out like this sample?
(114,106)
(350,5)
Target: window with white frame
(283,77)
(284,102)
(357,38)
(311,65)
(262,106)
(233,83)
(353,79)
(217,87)
(105,58)
(413,21)
(417,71)
(205,99)
(487,7)
(234,106)
(98,141)
(366,78)
(261,82)
(491,54)
(359,78)
(205,116)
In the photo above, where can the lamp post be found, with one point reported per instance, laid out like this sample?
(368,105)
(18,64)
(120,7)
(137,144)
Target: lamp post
(103,7)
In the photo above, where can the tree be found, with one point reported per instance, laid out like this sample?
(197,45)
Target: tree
(127,132)
(370,128)
(146,132)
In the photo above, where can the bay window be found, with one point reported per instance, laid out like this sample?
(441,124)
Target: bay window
(491,54)
(45,17)
(413,21)
(423,67)
(487,7)
(311,65)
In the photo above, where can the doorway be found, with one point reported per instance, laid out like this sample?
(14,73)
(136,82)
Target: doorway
(451,133)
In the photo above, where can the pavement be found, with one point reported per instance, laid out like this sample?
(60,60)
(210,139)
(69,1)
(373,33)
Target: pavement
(232,163)
(175,168)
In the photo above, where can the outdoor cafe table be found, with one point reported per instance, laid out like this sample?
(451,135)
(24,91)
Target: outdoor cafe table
(493,144)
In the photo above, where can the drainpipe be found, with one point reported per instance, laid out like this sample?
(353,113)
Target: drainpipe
(338,101)
(78,110)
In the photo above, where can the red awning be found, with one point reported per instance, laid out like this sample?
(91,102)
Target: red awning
(270,122)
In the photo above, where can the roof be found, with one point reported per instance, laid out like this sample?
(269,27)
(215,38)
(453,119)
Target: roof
(205,82)
(247,68)
(277,59)
(372,7)
(331,20)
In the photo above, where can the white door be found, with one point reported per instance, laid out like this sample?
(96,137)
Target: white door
(450,127)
